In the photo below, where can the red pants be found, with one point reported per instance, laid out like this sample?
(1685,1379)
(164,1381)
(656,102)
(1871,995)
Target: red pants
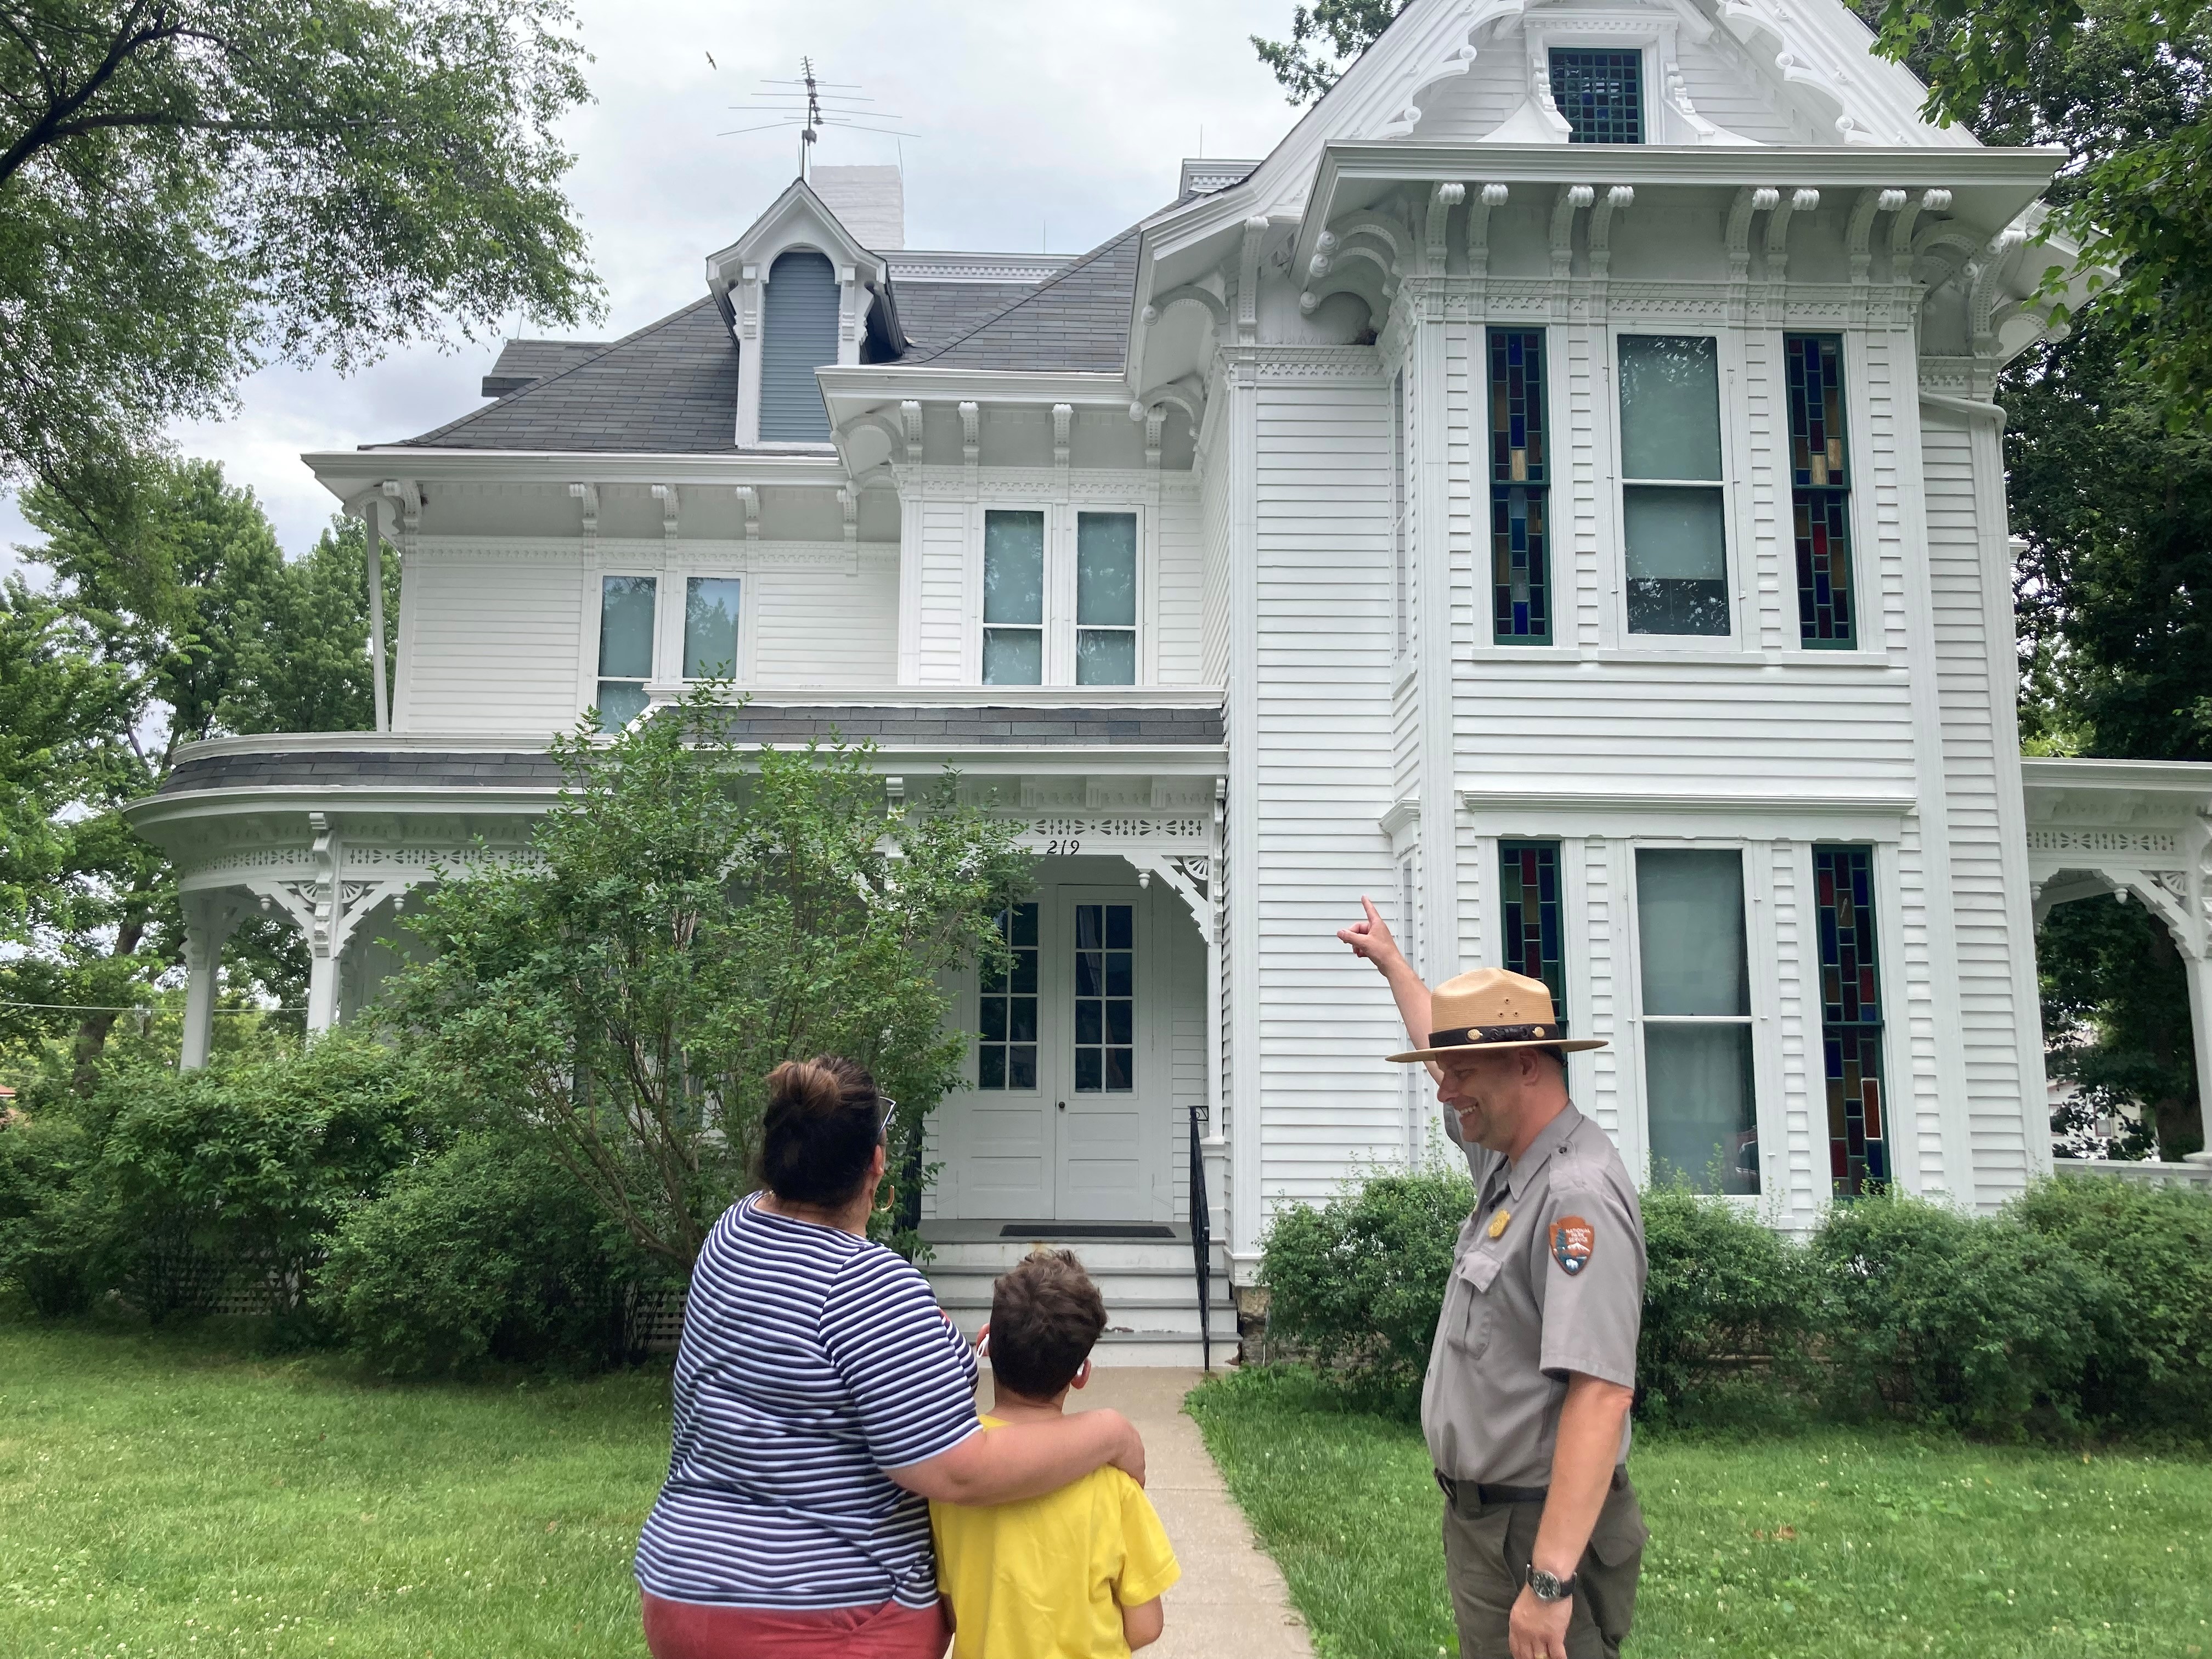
(686,1630)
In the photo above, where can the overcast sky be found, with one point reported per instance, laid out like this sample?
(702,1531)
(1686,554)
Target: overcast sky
(1033,126)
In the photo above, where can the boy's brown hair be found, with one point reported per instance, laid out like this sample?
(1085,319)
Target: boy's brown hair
(1046,1316)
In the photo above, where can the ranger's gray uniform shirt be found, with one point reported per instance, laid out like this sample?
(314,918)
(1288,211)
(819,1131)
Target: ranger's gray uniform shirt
(1560,1289)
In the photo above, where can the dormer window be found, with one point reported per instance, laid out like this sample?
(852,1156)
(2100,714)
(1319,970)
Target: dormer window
(799,335)
(1600,94)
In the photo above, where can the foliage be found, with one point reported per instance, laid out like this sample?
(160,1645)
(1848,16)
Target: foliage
(191,626)
(491,1251)
(1854,1543)
(1358,1282)
(1723,1287)
(1972,1323)
(2116,1021)
(173,1186)
(1349,26)
(188,187)
(2121,82)
(168,1486)
(696,914)
(2152,1364)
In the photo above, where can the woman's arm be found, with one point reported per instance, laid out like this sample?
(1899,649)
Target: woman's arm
(1026,1459)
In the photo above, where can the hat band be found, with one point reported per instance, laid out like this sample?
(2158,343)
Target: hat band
(1470,1036)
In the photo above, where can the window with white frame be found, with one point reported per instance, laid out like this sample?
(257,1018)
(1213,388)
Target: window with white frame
(1700,1104)
(710,626)
(1061,596)
(1673,492)
(627,611)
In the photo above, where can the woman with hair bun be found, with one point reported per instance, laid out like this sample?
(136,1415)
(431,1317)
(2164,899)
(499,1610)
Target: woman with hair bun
(822,1399)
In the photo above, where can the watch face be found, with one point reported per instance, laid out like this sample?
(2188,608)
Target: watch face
(1548,1586)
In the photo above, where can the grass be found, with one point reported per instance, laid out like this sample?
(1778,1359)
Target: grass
(1826,1541)
(160,1495)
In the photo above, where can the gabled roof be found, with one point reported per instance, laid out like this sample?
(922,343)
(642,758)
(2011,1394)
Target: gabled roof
(1079,319)
(671,388)
(935,314)
(523,362)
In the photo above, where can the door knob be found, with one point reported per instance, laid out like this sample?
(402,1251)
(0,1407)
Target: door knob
(1063,1105)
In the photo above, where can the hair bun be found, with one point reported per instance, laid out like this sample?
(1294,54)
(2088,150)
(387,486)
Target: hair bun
(808,1085)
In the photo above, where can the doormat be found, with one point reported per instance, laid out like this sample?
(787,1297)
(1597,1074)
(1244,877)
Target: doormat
(1042,1229)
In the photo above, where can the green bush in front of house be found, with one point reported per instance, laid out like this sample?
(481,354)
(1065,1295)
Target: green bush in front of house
(2085,1304)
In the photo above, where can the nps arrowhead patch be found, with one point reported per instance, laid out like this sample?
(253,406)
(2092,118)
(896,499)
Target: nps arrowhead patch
(1573,1239)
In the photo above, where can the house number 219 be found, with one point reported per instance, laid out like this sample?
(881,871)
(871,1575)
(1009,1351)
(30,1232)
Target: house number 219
(1063,847)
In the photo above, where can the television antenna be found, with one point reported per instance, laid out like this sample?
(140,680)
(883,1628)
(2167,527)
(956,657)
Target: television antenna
(801,103)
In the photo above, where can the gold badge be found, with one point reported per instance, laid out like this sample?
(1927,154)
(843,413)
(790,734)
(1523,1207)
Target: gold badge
(1499,1222)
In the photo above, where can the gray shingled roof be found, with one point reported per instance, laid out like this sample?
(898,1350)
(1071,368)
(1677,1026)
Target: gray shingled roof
(1079,319)
(523,362)
(671,387)
(934,314)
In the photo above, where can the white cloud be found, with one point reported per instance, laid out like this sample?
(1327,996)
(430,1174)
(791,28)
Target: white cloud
(1058,124)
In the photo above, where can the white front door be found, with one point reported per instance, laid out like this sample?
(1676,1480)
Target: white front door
(1067,1115)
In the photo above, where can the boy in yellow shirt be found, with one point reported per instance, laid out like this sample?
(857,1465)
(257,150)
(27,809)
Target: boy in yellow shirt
(1077,1573)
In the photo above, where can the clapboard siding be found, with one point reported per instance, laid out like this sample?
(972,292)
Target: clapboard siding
(1726,90)
(826,625)
(1470,105)
(1967,686)
(941,655)
(491,644)
(1323,708)
(1178,612)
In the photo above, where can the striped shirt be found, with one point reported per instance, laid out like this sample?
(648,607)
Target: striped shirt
(812,1362)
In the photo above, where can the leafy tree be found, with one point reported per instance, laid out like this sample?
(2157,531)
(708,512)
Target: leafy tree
(190,624)
(695,914)
(191,187)
(1349,26)
(2116,1021)
(2121,82)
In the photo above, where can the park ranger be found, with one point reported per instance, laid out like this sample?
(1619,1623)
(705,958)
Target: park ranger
(1532,1370)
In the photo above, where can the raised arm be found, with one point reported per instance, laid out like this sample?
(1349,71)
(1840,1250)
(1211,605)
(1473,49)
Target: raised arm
(1371,941)
(1026,1459)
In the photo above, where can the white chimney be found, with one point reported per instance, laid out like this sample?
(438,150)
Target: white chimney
(869,201)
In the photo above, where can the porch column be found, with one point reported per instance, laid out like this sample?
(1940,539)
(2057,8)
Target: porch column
(2200,1017)
(208,920)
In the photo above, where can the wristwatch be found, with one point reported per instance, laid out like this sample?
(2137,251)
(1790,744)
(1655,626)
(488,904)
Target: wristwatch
(1549,1586)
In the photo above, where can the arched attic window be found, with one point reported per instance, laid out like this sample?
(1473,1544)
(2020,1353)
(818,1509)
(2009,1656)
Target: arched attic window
(799,335)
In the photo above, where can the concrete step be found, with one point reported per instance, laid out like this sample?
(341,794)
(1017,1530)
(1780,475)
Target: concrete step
(1099,1256)
(974,1284)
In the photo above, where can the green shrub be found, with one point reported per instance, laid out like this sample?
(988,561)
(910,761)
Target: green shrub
(2152,1366)
(489,1251)
(50,1227)
(1975,1322)
(1358,1282)
(1723,1288)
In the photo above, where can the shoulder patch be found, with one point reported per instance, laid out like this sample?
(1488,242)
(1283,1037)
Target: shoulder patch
(1573,1242)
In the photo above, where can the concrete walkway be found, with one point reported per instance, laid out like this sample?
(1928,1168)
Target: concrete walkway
(1232,1599)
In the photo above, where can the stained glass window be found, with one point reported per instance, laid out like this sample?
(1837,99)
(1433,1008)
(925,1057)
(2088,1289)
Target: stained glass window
(1105,999)
(1819,482)
(1600,94)
(1850,1019)
(1006,1056)
(1529,897)
(1519,481)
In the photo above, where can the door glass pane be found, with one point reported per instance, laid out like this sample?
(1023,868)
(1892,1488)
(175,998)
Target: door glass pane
(620,702)
(1106,656)
(1670,407)
(1106,570)
(1704,1120)
(710,628)
(1006,1008)
(1013,568)
(1677,561)
(1105,1006)
(1689,907)
(1013,656)
(626,627)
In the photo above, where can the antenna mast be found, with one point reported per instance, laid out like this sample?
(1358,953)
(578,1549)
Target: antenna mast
(802,107)
(812,130)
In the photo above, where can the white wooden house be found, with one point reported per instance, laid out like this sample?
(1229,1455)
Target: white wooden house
(1555,492)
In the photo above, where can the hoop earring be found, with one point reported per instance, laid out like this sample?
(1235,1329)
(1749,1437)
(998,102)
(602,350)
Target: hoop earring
(886,1197)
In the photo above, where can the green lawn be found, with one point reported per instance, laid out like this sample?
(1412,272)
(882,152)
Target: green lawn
(158,1497)
(1828,1542)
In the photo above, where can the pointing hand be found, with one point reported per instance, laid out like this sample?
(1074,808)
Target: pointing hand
(1371,939)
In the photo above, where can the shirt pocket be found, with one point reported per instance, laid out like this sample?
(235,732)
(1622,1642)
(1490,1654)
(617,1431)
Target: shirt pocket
(1468,1329)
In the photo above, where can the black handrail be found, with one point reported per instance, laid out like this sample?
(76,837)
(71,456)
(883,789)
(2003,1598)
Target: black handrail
(1201,1243)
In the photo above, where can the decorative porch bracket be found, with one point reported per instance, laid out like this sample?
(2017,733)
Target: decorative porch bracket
(326,907)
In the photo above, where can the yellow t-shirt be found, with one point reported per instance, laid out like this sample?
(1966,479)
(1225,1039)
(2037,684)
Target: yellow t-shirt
(1047,1578)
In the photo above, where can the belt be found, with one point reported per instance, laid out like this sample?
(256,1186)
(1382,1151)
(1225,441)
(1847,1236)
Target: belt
(1483,1493)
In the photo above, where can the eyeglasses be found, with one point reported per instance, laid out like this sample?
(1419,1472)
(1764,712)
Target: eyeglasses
(884,1123)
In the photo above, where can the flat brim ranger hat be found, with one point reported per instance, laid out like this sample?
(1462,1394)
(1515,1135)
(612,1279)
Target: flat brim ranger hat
(1488,1008)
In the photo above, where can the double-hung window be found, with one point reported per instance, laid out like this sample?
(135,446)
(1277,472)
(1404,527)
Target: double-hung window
(1819,491)
(1056,617)
(627,615)
(1520,479)
(1700,1104)
(1600,94)
(710,626)
(1675,540)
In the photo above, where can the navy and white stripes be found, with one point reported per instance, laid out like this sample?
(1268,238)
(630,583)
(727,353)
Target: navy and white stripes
(812,1362)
